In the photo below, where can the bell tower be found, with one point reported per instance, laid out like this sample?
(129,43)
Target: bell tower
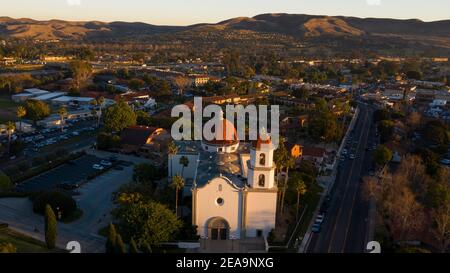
(261,169)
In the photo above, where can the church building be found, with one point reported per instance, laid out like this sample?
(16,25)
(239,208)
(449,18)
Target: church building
(234,194)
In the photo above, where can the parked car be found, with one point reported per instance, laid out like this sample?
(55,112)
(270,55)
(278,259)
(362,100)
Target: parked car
(445,161)
(98,167)
(320,218)
(316,228)
(106,163)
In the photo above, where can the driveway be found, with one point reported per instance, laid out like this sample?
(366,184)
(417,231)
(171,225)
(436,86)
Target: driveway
(95,200)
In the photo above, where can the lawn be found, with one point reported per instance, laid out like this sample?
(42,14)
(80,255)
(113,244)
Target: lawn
(23,243)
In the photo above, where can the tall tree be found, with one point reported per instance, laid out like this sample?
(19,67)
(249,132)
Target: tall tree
(110,246)
(172,150)
(120,246)
(184,161)
(133,249)
(119,116)
(21,113)
(441,217)
(100,102)
(280,159)
(382,155)
(36,110)
(62,112)
(148,222)
(80,71)
(177,184)
(10,127)
(182,83)
(50,227)
(288,164)
(301,189)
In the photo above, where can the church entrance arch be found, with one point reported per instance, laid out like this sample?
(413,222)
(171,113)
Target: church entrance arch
(218,229)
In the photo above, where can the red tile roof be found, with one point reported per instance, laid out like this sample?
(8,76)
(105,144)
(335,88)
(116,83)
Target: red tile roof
(137,135)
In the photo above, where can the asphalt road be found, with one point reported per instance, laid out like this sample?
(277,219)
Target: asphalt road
(345,229)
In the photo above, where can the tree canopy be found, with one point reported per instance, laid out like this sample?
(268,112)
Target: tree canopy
(382,155)
(119,117)
(36,110)
(148,222)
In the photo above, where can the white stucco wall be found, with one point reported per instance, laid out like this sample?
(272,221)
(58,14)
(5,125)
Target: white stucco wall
(206,207)
(260,212)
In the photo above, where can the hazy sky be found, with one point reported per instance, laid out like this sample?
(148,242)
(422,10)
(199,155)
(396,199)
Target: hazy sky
(184,12)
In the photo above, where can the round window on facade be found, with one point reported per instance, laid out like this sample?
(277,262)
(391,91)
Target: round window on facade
(220,201)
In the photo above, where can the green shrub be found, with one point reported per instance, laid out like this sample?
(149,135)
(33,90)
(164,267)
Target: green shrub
(23,166)
(12,170)
(62,204)
(38,161)
(5,182)
(7,248)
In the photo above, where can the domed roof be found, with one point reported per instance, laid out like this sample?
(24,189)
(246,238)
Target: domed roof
(225,134)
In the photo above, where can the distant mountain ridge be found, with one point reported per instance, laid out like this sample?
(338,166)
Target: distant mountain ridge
(295,25)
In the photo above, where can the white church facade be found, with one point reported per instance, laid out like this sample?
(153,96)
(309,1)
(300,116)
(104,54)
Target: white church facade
(234,194)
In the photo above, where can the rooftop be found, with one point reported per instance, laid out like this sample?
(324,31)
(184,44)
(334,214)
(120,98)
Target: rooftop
(67,99)
(137,135)
(50,96)
(36,91)
(211,165)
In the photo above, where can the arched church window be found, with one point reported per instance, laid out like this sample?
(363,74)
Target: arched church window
(262,159)
(262,180)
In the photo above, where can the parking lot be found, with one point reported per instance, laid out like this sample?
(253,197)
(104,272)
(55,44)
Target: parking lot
(71,173)
(46,137)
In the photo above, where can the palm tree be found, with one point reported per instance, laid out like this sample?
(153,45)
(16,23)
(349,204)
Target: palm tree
(185,162)
(279,158)
(100,102)
(301,189)
(177,183)
(10,127)
(283,159)
(62,112)
(172,150)
(21,112)
(94,111)
(288,163)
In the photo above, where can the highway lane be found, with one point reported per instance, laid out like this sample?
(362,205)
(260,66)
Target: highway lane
(345,226)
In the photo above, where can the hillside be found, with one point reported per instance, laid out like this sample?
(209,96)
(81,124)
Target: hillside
(317,28)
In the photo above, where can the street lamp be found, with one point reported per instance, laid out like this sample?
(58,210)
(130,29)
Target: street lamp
(205,239)
(59,213)
(232,238)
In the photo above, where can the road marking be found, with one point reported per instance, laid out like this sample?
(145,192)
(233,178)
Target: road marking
(354,197)
(346,190)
